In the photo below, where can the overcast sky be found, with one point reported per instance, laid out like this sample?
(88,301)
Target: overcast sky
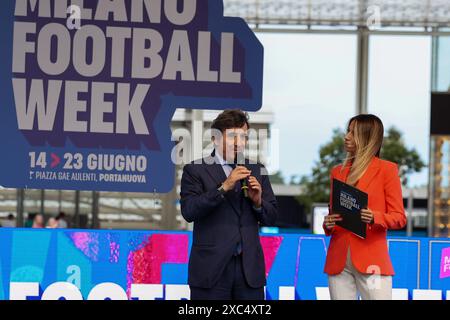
(309,85)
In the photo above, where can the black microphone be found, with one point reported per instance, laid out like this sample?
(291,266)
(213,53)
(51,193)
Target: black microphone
(244,187)
(244,184)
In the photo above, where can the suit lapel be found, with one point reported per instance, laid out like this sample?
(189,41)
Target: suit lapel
(215,170)
(367,177)
(343,174)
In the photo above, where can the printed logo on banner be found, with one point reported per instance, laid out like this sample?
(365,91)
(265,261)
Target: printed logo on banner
(89,87)
(445,263)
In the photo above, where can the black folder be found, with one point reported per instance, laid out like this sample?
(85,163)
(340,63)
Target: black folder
(348,202)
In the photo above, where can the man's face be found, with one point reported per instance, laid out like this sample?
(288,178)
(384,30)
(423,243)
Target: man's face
(232,142)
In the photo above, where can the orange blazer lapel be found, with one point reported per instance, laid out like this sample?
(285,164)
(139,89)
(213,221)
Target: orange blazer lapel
(342,173)
(369,175)
(366,179)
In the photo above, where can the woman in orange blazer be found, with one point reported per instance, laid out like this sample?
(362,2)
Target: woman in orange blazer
(361,265)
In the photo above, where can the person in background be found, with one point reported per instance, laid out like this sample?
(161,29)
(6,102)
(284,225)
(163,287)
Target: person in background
(10,222)
(38,221)
(61,220)
(29,222)
(52,223)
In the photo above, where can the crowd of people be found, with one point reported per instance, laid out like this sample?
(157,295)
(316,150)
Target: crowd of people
(37,221)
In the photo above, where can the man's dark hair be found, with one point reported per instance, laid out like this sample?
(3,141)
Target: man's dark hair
(229,119)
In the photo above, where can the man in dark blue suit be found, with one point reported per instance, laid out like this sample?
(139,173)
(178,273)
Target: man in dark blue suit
(227,198)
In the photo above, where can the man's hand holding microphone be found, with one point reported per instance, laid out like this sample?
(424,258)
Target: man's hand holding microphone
(251,189)
(239,173)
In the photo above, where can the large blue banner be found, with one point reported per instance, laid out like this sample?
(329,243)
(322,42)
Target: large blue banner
(89,87)
(105,264)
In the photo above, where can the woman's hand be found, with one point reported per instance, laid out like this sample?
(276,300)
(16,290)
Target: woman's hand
(367,216)
(331,219)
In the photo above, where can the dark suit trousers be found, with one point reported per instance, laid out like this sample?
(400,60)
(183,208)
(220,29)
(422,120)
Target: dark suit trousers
(231,285)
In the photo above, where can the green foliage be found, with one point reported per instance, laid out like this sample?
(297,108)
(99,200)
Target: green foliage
(395,150)
(276,178)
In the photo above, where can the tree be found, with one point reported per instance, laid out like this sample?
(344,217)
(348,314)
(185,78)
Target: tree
(317,185)
(276,178)
(394,150)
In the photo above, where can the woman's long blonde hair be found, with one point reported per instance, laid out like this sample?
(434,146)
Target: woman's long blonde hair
(368,132)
